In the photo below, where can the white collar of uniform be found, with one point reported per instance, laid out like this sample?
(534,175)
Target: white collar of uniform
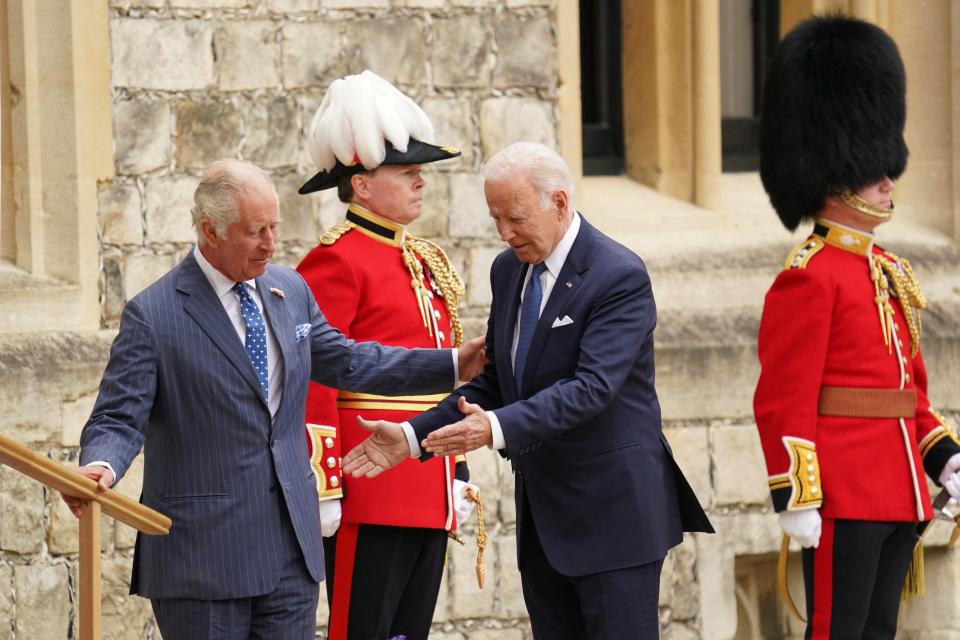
(559,254)
(221,284)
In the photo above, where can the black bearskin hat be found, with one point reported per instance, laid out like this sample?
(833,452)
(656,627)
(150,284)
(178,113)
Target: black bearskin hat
(833,114)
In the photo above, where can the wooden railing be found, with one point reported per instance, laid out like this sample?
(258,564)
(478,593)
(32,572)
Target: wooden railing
(114,504)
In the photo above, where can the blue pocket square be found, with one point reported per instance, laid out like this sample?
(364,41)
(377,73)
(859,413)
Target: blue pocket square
(303,330)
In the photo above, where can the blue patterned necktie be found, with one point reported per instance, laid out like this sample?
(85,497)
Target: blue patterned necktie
(256,341)
(529,316)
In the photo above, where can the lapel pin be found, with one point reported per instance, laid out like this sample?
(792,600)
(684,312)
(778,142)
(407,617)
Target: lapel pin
(569,285)
(277,292)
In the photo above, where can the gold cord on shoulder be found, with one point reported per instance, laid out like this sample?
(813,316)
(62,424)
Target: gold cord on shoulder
(448,280)
(907,289)
(882,299)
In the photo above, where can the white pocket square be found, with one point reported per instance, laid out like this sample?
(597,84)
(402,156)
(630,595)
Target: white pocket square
(303,330)
(561,322)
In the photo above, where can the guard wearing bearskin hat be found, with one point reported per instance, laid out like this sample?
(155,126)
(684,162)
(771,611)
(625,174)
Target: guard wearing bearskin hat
(841,404)
(385,538)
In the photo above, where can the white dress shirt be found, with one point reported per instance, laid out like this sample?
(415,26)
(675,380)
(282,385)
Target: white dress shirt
(223,288)
(548,279)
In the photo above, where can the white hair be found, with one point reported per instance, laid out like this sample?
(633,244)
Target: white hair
(217,196)
(547,170)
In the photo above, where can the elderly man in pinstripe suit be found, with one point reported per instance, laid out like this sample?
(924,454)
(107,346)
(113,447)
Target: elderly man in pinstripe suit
(209,375)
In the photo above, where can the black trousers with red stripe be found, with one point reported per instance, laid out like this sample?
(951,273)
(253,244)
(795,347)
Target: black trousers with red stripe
(854,579)
(394,584)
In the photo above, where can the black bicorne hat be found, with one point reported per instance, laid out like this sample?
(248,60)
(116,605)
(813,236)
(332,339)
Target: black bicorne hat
(833,114)
(417,153)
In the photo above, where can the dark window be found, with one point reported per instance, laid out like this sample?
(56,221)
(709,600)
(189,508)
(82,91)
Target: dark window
(749,32)
(600,85)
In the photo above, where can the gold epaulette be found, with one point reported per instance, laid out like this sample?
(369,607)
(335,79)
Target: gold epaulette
(803,252)
(333,234)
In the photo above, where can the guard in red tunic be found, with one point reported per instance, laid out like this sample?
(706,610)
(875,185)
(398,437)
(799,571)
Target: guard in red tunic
(374,281)
(841,405)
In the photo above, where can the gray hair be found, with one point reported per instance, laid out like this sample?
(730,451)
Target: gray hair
(547,170)
(217,195)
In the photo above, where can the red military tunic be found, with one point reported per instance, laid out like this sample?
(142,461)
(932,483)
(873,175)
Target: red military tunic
(363,286)
(821,328)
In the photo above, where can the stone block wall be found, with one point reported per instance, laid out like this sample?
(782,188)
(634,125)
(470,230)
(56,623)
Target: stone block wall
(198,80)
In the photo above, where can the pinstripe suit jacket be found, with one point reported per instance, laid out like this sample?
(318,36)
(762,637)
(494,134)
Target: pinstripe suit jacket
(180,384)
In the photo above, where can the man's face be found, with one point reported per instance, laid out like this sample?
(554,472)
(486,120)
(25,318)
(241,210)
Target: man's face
(250,241)
(393,191)
(531,228)
(879,194)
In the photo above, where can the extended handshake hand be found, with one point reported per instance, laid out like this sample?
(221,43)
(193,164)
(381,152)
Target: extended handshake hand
(471,358)
(471,433)
(385,448)
(388,445)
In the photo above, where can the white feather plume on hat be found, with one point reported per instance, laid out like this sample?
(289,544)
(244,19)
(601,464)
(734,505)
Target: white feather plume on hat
(358,114)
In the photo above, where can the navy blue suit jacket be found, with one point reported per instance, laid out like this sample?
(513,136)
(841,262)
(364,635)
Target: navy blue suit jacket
(584,434)
(180,384)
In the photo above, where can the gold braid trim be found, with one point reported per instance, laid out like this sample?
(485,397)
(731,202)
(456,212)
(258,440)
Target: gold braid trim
(474,496)
(481,537)
(907,289)
(446,277)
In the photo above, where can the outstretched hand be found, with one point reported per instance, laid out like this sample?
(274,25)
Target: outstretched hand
(385,448)
(471,433)
(471,358)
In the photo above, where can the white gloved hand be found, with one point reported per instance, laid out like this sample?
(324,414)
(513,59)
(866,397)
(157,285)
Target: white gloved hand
(803,526)
(462,505)
(950,476)
(329,517)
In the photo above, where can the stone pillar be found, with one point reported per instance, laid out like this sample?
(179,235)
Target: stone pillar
(8,245)
(707,152)
(929,42)
(568,87)
(657,109)
(62,145)
(793,11)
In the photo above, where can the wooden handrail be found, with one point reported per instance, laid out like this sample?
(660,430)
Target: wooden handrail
(68,481)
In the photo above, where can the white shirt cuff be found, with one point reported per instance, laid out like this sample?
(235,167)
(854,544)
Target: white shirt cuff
(456,367)
(102,463)
(411,439)
(496,432)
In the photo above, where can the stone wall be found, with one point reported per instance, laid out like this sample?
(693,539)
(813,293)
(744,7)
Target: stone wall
(195,80)
(198,80)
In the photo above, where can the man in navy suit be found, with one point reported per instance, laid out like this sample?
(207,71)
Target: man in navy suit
(568,397)
(209,374)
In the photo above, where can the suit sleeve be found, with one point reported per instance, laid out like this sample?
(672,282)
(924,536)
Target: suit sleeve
(792,346)
(115,431)
(369,367)
(935,438)
(333,282)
